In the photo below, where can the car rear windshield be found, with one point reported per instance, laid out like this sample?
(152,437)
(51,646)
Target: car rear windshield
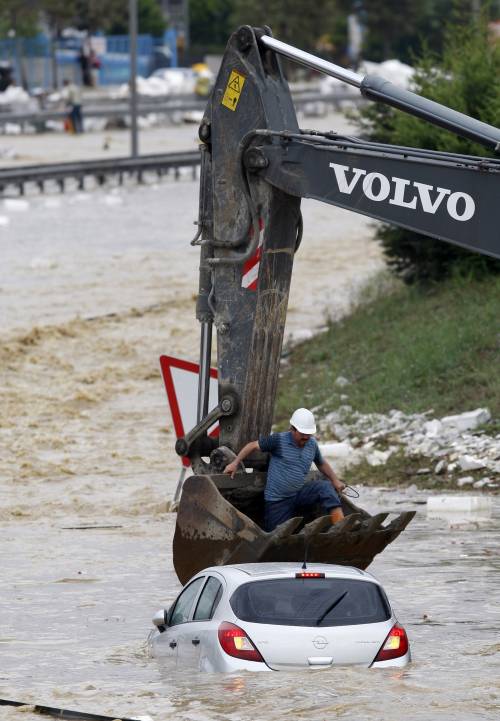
(310,602)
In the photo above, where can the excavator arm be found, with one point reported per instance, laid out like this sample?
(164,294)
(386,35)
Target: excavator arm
(256,166)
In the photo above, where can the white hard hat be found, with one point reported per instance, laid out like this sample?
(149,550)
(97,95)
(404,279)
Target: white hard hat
(303,421)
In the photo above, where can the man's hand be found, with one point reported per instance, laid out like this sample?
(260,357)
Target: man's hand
(232,468)
(339,485)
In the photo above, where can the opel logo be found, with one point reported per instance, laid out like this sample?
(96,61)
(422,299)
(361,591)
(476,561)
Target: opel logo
(320,642)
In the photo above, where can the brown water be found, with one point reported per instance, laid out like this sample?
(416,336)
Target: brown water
(93,288)
(77,604)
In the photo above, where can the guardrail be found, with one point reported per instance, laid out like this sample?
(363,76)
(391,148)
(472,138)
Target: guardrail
(39,118)
(59,173)
(160,105)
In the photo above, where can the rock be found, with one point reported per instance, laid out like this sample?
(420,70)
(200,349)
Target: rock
(340,431)
(341,382)
(449,444)
(481,483)
(378,458)
(341,455)
(469,463)
(433,428)
(336,450)
(465,481)
(466,421)
(423,471)
(345,410)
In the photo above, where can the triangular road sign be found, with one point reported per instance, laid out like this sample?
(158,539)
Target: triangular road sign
(181,383)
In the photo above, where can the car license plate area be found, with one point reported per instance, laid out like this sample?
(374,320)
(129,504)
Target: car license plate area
(320,661)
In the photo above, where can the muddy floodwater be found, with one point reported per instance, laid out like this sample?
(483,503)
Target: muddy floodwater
(77,606)
(94,286)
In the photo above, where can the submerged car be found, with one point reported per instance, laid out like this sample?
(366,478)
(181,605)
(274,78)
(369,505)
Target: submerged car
(281,617)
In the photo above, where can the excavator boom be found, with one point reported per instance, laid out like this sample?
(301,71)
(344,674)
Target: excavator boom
(256,166)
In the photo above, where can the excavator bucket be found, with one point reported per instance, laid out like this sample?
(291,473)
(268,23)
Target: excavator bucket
(211,531)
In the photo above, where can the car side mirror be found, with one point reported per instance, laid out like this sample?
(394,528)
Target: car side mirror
(160,620)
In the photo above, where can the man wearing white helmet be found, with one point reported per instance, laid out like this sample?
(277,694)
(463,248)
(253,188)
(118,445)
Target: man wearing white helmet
(292,454)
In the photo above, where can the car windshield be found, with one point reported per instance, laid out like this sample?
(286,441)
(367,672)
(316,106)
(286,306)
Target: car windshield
(310,602)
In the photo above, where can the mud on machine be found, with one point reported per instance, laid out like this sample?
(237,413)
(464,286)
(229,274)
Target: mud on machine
(256,165)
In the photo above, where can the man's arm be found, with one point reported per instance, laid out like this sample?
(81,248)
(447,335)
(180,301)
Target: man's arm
(245,451)
(326,469)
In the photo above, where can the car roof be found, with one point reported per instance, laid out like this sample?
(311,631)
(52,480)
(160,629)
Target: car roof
(272,570)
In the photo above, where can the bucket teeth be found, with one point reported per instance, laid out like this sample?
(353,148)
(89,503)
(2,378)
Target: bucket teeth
(349,523)
(375,522)
(286,529)
(211,531)
(323,523)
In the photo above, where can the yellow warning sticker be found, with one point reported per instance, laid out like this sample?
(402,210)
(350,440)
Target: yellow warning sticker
(233,90)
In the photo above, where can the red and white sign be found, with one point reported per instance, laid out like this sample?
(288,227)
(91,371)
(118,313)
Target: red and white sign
(251,266)
(181,383)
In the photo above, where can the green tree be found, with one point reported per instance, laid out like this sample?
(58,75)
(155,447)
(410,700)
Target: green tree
(464,78)
(94,15)
(18,19)
(210,23)
(18,16)
(58,13)
(150,19)
(386,23)
(403,28)
(297,22)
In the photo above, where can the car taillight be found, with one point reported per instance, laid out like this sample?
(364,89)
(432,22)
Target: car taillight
(309,574)
(236,643)
(395,645)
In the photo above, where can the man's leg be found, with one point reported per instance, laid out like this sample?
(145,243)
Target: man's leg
(276,512)
(74,119)
(336,514)
(78,119)
(324,494)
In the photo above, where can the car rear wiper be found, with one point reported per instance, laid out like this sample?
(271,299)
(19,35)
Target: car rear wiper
(331,607)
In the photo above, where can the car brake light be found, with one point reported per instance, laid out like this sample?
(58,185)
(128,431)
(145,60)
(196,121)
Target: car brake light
(309,574)
(235,642)
(395,645)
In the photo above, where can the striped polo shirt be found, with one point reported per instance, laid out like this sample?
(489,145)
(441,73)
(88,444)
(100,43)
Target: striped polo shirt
(289,464)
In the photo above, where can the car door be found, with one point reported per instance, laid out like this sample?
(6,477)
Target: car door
(178,618)
(195,638)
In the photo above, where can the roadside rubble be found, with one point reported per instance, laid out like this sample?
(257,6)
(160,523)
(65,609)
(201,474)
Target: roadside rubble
(453,446)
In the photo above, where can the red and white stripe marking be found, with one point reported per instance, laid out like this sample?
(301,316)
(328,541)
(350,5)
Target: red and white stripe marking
(250,275)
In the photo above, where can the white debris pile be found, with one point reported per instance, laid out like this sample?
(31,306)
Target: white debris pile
(452,444)
(168,81)
(393,70)
(17,99)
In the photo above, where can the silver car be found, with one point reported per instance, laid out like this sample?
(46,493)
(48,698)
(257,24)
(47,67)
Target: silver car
(279,616)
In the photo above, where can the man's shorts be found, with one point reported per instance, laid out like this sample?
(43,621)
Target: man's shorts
(311,493)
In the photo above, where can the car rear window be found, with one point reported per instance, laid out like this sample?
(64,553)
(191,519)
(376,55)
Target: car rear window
(310,602)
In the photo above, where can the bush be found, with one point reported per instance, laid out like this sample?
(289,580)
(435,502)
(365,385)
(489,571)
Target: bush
(466,79)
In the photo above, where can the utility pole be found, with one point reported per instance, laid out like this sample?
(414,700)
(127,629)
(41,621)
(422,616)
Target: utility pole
(132,32)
